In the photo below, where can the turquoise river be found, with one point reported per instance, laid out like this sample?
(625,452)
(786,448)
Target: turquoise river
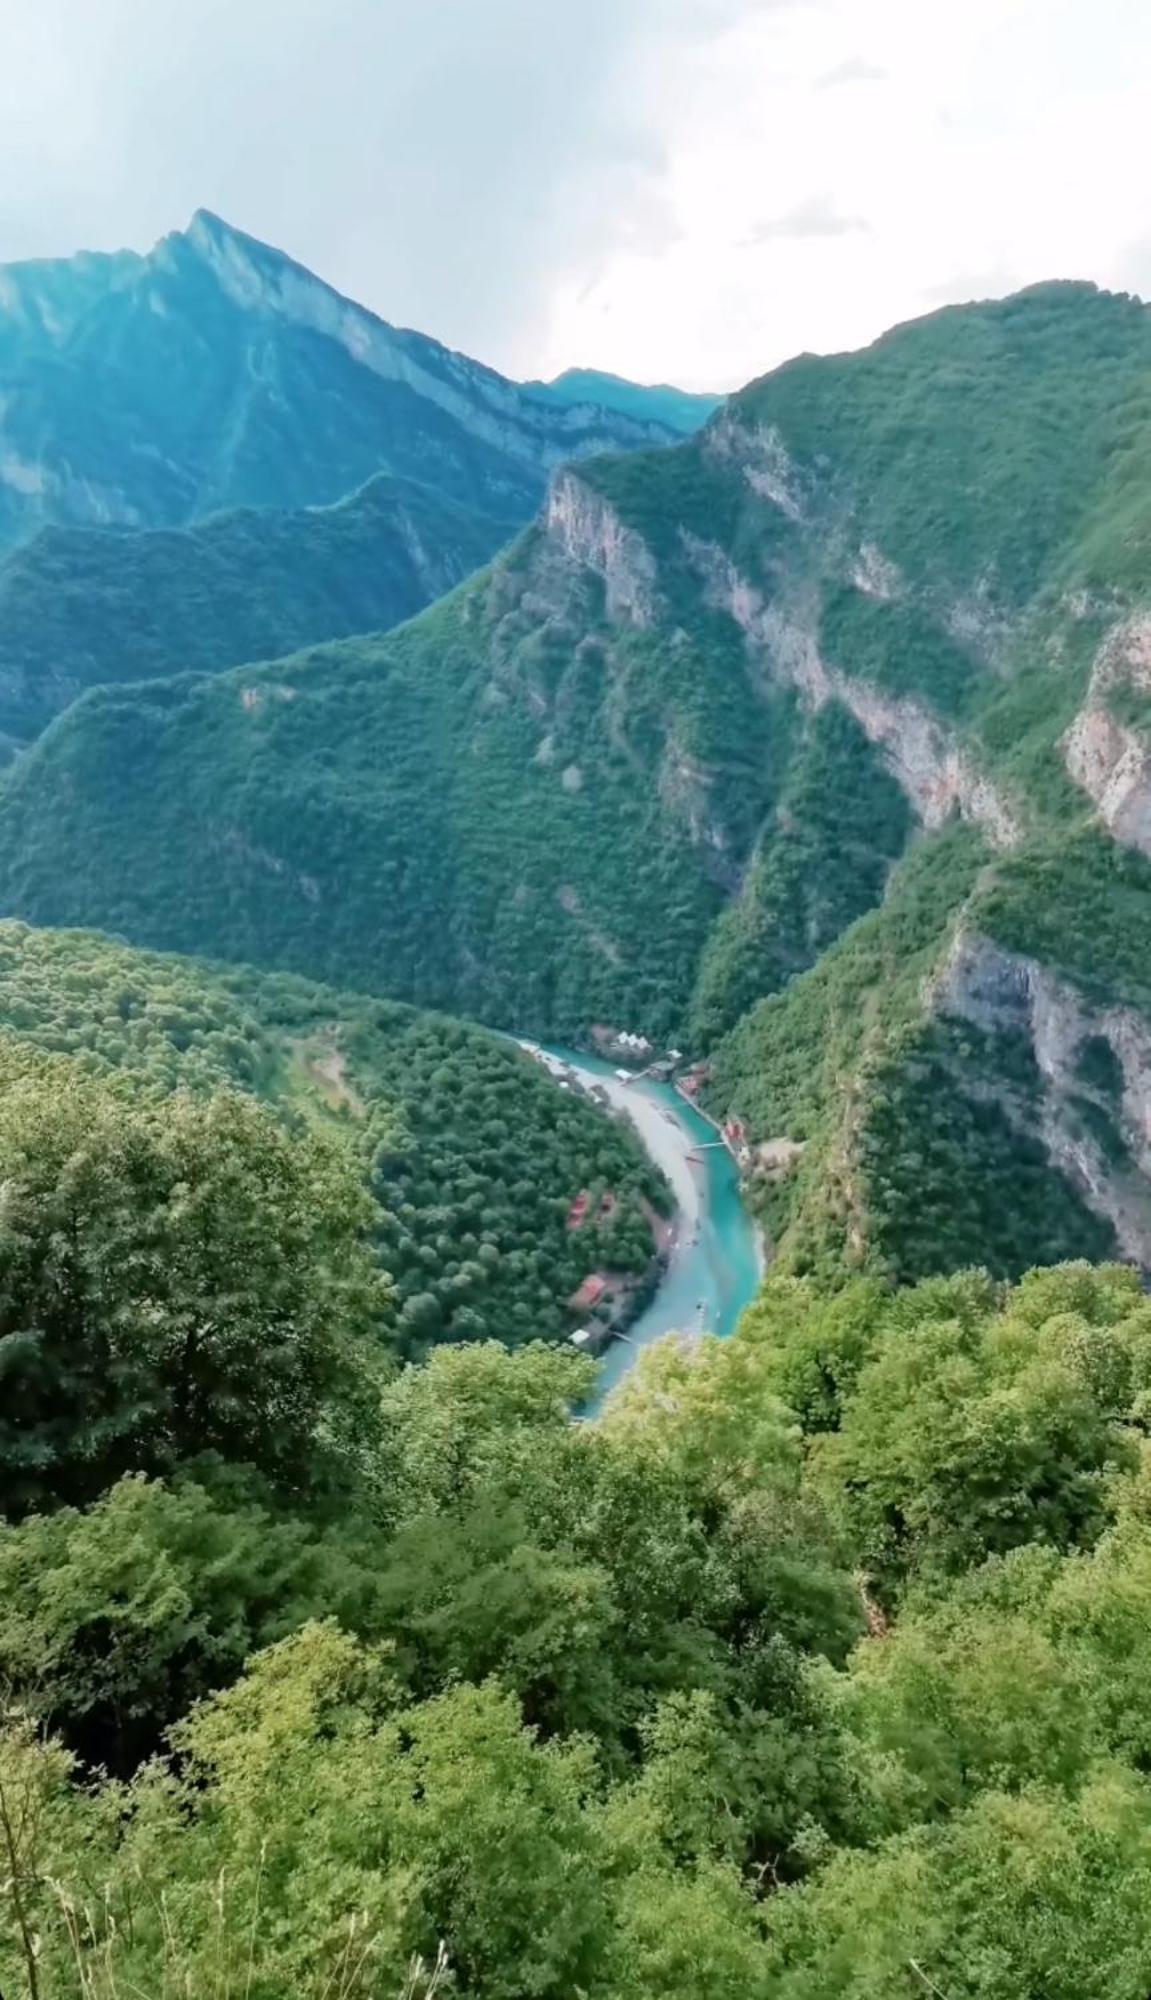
(715,1260)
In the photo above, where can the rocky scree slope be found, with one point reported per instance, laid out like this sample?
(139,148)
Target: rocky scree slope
(774,740)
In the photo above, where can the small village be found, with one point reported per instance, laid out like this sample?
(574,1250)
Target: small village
(606,1302)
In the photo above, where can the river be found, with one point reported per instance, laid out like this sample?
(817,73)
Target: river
(715,1260)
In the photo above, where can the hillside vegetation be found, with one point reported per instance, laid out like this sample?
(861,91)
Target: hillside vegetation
(688,759)
(815,1667)
(472,1155)
(337,1660)
(83,606)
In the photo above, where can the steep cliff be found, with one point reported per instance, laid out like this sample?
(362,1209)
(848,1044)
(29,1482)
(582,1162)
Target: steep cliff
(732,744)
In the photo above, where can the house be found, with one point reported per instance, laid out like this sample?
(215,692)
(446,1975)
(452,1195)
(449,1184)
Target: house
(589,1293)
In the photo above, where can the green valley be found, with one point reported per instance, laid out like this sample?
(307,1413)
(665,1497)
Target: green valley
(338,1660)
(691,757)
(472,1156)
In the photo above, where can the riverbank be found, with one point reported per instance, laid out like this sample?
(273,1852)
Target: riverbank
(714,1249)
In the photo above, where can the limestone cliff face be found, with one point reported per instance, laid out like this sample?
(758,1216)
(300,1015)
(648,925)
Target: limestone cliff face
(589,533)
(760,457)
(925,756)
(1107,757)
(488,405)
(1000,991)
(780,623)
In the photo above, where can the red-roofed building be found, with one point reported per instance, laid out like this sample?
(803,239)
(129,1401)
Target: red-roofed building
(589,1293)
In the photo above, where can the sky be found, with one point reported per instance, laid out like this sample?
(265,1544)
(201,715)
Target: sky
(678,190)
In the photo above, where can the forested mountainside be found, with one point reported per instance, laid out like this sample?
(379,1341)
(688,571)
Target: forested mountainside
(83,606)
(869,651)
(214,373)
(473,1156)
(682,410)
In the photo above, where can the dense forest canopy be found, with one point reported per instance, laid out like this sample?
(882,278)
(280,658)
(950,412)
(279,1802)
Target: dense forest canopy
(471,1153)
(81,607)
(814,1667)
(338,1659)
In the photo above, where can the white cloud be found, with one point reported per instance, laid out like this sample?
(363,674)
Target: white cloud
(853,69)
(677,189)
(816,216)
(995,145)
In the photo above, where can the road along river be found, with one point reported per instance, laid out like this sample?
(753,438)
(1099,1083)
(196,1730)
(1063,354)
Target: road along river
(715,1260)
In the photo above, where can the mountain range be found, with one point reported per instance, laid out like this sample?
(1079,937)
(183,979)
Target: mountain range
(214,372)
(207,456)
(815,738)
(681,410)
(81,606)
(818,741)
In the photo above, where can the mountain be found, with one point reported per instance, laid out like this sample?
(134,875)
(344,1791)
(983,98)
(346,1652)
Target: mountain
(822,739)
(680,409)
(80,606)
(212,373)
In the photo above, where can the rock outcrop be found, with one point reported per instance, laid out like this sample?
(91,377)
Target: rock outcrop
(1109,758)
(933,767)
(1001,992)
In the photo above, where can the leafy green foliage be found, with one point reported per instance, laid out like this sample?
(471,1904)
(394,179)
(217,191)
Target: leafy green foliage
(550,1707)
(974,441)
(800,1063)
(952,1166)
(898,646)
(117,1618)
(841,821)
(973,1424)
(174,1278)
(1084,908)
(473,1155)
(1038,1893)
(84,606)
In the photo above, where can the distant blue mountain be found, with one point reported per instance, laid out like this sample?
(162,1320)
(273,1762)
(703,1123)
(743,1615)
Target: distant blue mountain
(682,410)
(214,372)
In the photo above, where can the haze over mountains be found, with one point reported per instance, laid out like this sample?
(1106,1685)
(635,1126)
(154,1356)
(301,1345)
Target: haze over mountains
(216,382)
(214,372)
(871,642)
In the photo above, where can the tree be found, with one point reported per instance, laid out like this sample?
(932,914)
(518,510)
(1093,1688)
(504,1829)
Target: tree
(446,1426)
(969,1433)
(318,1834)
(114,1620)
(1039,1893)
(176,1276)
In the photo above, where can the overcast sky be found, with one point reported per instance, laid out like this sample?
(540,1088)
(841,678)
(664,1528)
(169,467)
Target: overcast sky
(685,190)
